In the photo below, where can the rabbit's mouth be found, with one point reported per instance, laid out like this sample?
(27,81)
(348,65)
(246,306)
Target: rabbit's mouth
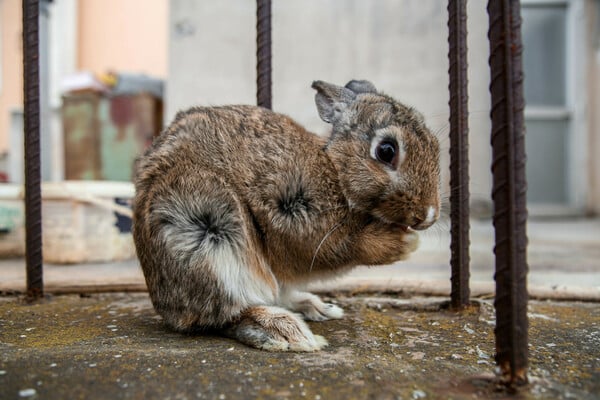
(404,228)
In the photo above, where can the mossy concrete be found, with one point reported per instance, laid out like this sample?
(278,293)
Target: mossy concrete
(113,346)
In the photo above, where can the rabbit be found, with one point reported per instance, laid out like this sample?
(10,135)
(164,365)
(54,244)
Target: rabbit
(238,208)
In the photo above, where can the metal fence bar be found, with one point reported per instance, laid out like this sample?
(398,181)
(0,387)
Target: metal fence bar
(263,53)
(33,200)
(509,189)
(459,153)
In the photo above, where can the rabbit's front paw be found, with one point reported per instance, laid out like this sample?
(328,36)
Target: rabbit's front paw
(382,244)
(411,242)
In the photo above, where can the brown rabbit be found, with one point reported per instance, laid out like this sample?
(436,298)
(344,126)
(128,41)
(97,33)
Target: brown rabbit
(237,208)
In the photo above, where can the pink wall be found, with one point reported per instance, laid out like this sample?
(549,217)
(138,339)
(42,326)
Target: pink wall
(122,35)
(11,89)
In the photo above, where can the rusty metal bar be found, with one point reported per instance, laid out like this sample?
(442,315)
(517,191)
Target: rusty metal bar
(33,200)
(459,153)
(263,53)
(509,189)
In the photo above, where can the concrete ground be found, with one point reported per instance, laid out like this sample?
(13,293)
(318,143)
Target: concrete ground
(113,346)
(396,340)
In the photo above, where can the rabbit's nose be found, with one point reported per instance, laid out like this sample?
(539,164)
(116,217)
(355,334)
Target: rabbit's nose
(424,222)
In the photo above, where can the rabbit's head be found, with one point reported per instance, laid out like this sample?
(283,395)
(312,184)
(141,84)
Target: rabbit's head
(387,159)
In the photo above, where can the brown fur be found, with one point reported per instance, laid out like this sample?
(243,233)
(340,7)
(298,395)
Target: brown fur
(235,204)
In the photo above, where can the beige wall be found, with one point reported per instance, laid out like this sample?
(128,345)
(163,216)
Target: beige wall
(11,90)
(122,35)
(400,45)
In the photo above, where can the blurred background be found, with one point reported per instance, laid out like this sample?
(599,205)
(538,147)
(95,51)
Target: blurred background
(115,72)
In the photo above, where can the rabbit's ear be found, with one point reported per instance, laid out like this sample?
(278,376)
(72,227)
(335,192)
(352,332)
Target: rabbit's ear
(332,100)
(361,86)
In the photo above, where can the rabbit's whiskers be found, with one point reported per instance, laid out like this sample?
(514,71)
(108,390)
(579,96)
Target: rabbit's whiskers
(312,263)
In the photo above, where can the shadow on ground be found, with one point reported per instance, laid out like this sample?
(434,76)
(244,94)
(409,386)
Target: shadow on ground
(114,346)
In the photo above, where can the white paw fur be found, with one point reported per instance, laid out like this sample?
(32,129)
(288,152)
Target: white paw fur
(310,306)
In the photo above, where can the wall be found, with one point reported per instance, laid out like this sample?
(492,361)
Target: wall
(399,45)
(11,89)
(126,35)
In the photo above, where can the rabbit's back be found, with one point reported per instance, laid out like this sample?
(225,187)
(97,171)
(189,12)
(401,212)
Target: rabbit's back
(229,140)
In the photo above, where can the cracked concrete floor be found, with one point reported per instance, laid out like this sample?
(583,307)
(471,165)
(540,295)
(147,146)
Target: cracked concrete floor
(113,346)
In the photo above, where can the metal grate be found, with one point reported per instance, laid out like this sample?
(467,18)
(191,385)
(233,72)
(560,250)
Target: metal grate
(263,53)
(33,199)
(508,166)
(459,153)
(509,188)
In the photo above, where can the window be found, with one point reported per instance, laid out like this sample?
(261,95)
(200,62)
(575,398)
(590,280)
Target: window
(554,166)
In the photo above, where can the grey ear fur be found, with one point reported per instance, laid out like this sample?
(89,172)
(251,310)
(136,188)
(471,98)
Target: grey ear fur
(361,86)
(332,100)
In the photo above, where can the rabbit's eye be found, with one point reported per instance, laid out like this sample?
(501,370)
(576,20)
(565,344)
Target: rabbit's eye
(387,152)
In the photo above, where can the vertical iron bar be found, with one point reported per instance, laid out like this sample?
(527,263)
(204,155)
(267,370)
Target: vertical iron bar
(459,152)
(263,53)
(33,201)
(509,189)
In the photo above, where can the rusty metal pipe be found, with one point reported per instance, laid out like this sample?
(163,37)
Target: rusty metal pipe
(459,153)
(33,200)
(509,189)
(263,53)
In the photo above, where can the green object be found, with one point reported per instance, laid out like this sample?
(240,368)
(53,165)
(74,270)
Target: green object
(104,134)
